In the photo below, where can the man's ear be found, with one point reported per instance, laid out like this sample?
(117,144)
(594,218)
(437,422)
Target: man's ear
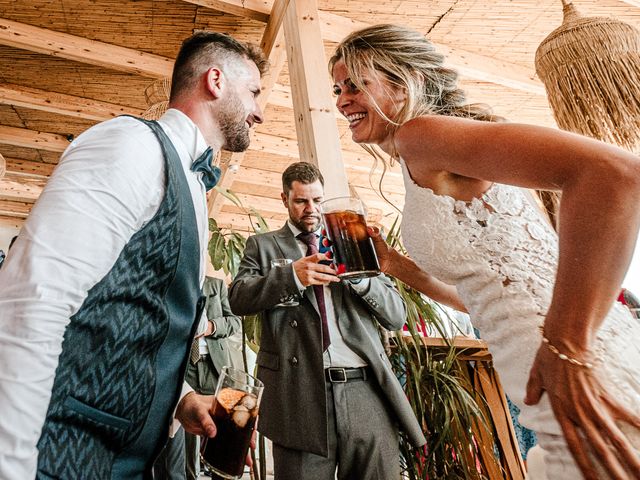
(214,82)
(283,196)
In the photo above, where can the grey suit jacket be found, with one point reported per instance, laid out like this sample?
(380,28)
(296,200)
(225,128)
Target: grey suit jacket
(219,312)
(290,361)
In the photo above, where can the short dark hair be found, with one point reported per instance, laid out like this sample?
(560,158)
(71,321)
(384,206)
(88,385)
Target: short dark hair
(200,49)
(303,172)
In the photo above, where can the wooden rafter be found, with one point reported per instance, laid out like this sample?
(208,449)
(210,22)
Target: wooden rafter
(20,188)
(254,9)
(23,137)
(62,104)
(9,208)
(26,168)
(14,223)
(472,65)
(79,49)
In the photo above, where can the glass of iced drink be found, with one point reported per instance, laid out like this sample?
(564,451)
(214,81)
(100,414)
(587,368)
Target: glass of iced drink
(353,252)
(234,411)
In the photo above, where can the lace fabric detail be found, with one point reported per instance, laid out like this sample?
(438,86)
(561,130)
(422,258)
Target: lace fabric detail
(502,254)
(500,237)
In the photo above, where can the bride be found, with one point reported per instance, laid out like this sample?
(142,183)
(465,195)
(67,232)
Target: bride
(567,355)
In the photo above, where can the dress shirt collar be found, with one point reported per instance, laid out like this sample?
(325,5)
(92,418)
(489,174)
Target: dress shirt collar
(185,131)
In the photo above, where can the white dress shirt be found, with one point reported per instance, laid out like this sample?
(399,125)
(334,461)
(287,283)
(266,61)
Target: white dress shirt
(338,354)
(108,184)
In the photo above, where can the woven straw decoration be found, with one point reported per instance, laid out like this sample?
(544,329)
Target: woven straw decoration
(590,67)
(157,97)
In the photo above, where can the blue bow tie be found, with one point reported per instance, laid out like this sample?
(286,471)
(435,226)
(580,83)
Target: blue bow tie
(210,174)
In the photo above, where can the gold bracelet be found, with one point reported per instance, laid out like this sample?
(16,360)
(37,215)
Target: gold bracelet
(562,356)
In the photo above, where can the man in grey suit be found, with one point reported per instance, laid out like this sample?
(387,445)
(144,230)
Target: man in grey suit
(332,408)
(210,352)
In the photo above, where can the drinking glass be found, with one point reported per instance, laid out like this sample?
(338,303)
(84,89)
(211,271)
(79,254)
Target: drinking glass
(353,252)
(291,301)
(234,410)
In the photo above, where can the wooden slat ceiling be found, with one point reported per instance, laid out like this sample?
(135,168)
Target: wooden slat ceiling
(67,64)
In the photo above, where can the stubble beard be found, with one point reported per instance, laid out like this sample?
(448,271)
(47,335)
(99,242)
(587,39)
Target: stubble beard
(234,127)
(305,227)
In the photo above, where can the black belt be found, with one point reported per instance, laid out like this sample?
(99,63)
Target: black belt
(202,357)
(343,375)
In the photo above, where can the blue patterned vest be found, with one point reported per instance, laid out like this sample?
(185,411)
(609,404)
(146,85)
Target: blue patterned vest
(125,351)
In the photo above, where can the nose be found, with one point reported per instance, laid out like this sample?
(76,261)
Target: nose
(257,114)
(343,99)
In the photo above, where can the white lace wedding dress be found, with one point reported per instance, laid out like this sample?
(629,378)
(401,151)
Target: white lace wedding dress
(501,254)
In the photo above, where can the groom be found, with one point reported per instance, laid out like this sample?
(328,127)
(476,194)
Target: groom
(331,400)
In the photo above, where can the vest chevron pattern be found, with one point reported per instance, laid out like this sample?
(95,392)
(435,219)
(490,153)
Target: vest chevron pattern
(124,352)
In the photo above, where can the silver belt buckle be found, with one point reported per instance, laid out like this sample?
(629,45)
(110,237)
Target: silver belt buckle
(333,370)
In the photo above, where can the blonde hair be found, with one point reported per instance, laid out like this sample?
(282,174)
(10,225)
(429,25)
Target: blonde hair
(410,62)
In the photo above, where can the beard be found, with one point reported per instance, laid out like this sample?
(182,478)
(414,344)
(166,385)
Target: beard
(232,121)
(304,227)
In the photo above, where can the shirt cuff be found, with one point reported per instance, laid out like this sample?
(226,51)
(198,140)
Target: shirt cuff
(175,423)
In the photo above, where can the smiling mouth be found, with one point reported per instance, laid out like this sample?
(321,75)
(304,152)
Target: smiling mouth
(355,118)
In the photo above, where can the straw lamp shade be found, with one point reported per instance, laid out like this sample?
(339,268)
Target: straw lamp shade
(157,97)
(590,67)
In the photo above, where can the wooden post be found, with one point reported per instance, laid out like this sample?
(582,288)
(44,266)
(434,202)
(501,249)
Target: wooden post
(318,138)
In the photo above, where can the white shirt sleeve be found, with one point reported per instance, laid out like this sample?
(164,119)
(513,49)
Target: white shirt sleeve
(108,184)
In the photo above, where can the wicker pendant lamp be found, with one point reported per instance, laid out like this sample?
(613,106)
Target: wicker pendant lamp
(590,67)
(157,97)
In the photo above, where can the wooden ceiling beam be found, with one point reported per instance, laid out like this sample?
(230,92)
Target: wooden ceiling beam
(79,49)
(11,222)
(23,137)
(61,104)
(20,189)
(469,64)
(9,208)
(254,9)
(28,169)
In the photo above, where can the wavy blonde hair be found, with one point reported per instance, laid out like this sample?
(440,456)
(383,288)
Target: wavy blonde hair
(410,62)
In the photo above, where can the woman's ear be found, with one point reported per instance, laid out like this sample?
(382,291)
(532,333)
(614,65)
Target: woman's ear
(214,82)
(401,94)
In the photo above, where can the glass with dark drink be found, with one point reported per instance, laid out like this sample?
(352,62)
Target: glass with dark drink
(353,252)
(234,411)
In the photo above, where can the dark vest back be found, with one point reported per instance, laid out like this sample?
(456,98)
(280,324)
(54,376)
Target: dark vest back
(125,351)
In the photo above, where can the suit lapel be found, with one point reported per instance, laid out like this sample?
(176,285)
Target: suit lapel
(287,243)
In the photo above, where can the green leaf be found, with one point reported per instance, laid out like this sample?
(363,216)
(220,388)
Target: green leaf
(261,226)
(217,250)
(229,195)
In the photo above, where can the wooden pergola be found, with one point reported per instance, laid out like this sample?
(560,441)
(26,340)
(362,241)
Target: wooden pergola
(68,64)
